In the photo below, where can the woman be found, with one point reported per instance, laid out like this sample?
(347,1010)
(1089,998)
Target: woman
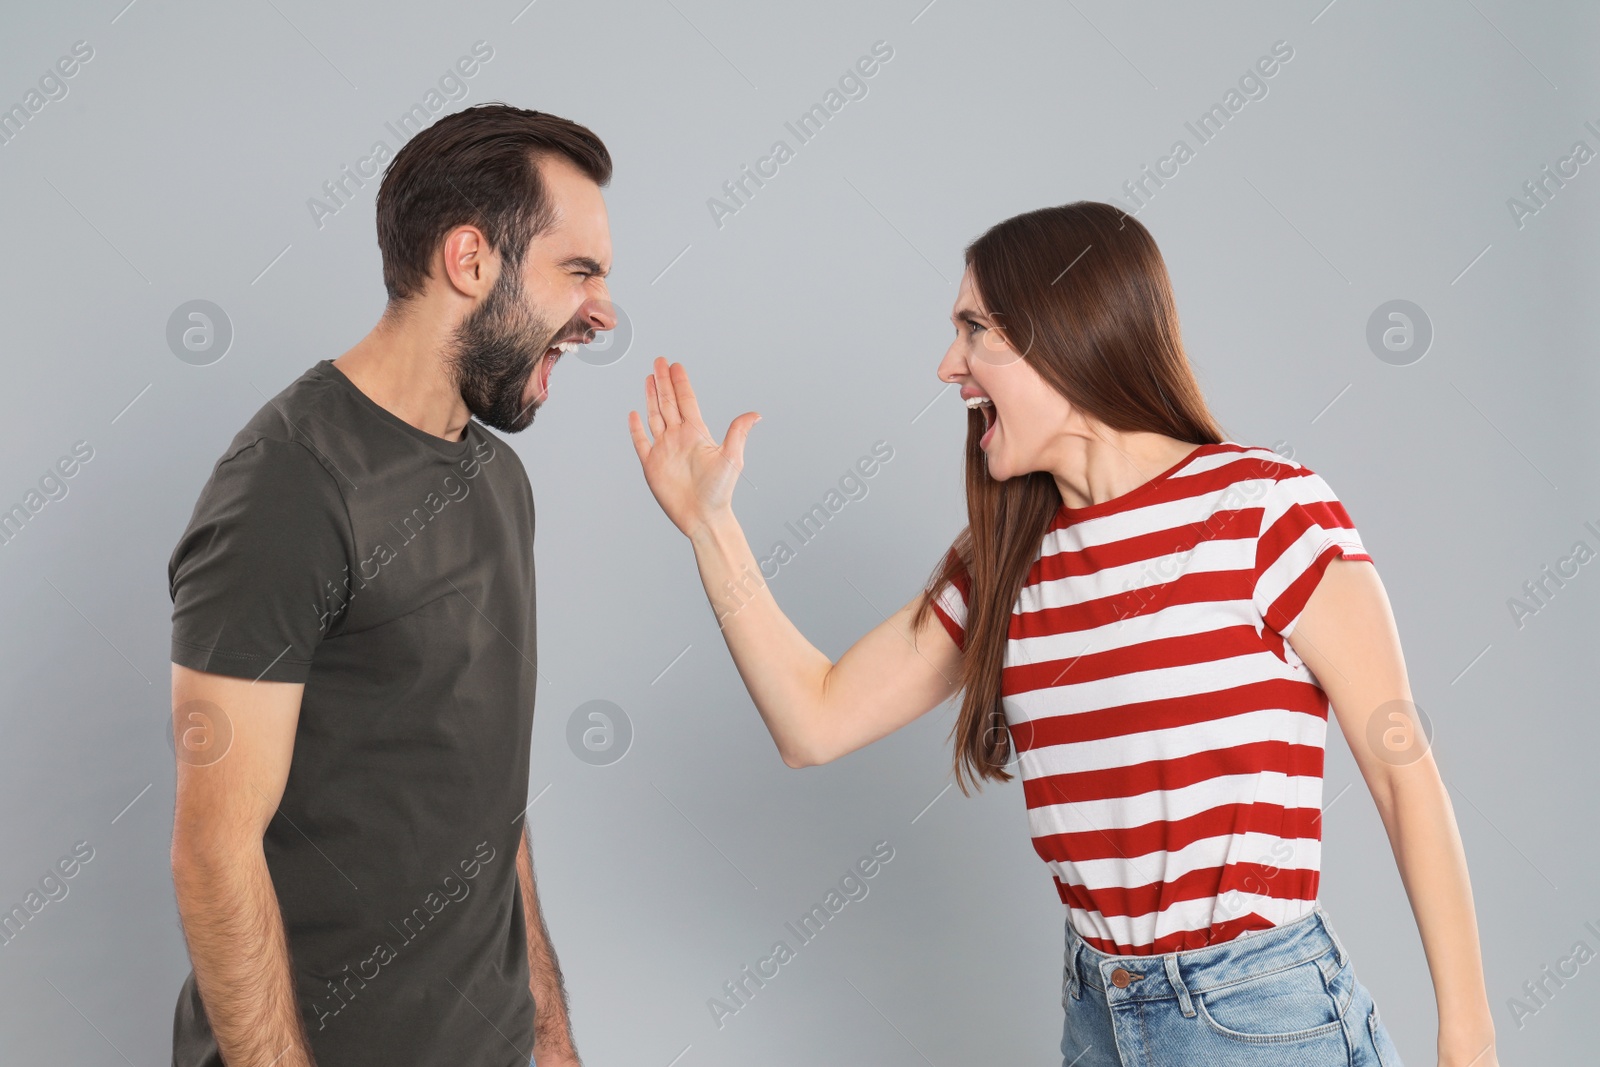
(1149,621)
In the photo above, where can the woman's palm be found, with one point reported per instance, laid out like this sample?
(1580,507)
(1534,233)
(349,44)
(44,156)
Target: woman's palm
(690,475)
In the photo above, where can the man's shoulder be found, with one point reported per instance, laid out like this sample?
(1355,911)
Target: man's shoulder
(268,491)
(289,434)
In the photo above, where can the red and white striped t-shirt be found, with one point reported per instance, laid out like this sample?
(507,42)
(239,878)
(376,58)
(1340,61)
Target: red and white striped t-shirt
(1169,740)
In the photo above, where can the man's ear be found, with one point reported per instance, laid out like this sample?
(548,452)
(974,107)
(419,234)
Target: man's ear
(465,254)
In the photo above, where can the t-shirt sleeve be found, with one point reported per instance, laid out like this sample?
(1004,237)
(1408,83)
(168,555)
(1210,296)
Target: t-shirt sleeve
(951,606)
(1303,528)
(258,577)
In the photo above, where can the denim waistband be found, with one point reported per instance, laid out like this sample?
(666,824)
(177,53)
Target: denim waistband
(1196,970)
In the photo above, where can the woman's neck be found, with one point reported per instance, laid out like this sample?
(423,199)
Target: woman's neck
(1096,469)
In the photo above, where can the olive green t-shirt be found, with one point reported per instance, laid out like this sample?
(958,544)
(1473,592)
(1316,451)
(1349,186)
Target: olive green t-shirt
(391,571)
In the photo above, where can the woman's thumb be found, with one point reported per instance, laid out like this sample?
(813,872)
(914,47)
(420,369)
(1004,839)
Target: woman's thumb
(738,431)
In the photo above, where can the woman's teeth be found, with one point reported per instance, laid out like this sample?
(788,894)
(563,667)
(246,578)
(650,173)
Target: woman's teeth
(990,413)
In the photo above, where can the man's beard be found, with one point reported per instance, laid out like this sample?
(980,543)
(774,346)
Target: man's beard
(493,352)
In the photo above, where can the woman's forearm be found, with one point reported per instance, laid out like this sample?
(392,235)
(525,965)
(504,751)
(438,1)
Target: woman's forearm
(785,674)
(1433,866)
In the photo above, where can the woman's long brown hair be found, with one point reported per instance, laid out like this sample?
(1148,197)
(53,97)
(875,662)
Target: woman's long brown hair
(1081,292)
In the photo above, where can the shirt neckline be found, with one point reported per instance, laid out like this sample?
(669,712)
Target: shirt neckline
(1132,496)
(450,449)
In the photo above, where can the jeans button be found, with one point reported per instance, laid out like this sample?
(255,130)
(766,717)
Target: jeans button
(1121,977)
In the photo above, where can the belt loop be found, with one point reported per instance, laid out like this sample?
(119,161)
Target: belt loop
(1338,946)
(1176,979)
(1071,985)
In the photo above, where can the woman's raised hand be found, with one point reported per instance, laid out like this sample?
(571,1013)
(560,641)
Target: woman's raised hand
(691,476)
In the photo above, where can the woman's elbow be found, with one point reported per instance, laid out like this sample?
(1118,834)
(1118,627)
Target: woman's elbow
(808,754)
(797,758)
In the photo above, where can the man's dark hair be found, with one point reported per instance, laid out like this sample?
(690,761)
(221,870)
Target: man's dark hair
(478,166)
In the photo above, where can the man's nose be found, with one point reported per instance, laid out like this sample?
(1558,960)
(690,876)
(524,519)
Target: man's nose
(601,314)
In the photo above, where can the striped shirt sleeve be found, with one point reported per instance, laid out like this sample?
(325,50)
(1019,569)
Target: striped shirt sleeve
(1303,528)
(951,606)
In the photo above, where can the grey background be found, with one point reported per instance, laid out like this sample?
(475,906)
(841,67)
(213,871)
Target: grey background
(1378,167)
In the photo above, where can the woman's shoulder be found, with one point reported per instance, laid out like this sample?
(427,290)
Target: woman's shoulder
(1254,479)
(1258,466)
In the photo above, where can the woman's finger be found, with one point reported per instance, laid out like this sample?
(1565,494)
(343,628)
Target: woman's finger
(666,396)
(641,443)
(687,403)
(658,425)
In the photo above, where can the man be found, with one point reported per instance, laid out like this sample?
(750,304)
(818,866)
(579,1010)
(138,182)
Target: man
(353,642)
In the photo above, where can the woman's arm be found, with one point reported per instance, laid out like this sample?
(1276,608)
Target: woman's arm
(816,710)
(1347,636)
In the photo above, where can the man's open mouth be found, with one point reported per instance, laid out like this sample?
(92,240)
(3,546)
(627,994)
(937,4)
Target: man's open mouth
(551,355)
(555,351)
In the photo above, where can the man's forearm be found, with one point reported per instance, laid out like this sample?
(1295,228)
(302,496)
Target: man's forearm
(552,1028)
(234,929)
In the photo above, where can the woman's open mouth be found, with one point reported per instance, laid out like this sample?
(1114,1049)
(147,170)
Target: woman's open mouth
(990,416)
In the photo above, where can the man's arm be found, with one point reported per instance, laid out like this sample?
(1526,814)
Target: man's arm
(235,739)
(552,1029)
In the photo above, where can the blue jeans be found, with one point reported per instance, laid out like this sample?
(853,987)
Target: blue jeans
(1288,995)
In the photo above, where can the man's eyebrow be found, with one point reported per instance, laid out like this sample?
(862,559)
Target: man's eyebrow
(590,265)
